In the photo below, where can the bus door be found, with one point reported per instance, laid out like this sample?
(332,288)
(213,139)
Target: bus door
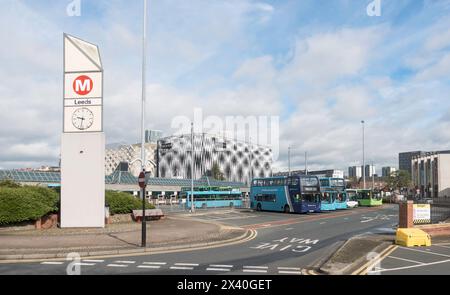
(294,194)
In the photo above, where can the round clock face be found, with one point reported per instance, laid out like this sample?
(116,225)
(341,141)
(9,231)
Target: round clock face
(82,118)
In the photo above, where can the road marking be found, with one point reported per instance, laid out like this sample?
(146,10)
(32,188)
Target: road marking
(52,262)
(289,268)
(92,260)
(217,269)
(290,228)
(442,246)
(290,272)
(181,267)
(414,266)
(125,261)
(255,270)
(369,264)
(346,218)
(262,267)
(157,263)
(186,264)
(322,223)
(428,252)
(83,264)
(404,259)
(220,265)
(149,266)
(117,265)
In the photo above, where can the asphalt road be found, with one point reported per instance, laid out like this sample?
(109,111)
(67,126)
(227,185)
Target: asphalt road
(285,244)
(433,260)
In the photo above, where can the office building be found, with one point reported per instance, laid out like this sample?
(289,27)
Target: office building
(404,159)
(387,171)
(431,174)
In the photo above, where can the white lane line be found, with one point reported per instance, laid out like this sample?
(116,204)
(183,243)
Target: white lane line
(92,260)
(217,269)
(52,262)
(407,260)
(290,272)
(261,267)
(442,246)
(255,270)
(322,223)
(149,266)
(156,263)
(414,266)
(84,264)
(220,265)
(181,267)
(289,268)
(186,264)
(125,261)
(290,228)
(117,265)
(428,252)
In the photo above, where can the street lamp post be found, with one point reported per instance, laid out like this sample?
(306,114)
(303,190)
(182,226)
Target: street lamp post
(306,163)
(144,47)
(289,160)
(192,168)
(363,163)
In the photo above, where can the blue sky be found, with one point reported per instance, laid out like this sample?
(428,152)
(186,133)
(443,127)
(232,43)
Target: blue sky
(320,65)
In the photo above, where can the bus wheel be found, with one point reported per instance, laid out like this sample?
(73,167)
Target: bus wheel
(287,209)
(258,207)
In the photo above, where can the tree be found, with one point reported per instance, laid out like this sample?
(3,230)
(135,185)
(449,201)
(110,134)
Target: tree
(398,180)
(215,172)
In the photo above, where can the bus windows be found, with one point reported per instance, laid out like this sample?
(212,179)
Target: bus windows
(310,198)
(308,181)
(364,195)
(265,198)
(324,183)
(297,198)
(325,197)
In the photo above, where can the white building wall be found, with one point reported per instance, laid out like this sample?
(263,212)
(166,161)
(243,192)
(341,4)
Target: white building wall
(444,174)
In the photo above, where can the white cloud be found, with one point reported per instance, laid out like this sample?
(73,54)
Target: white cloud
(324,57)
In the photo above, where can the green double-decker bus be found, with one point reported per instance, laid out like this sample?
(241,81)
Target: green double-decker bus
(366,197)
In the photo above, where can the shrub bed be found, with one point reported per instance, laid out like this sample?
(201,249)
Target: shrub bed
(18,204)
(123,203)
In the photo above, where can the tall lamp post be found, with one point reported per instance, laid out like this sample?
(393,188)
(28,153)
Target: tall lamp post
(289,160)
(144,47)
(363,163)
(192,167)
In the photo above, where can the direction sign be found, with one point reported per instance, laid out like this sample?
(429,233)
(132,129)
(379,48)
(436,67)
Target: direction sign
(141,180)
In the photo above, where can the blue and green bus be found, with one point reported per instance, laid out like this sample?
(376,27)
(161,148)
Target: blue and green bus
(338,184)
(205,197)
(328,195)
(289,194)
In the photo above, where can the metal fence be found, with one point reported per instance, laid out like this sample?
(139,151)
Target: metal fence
(440,210)
(439,207)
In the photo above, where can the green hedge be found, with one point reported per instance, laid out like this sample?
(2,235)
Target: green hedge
(26,203)
(122,203)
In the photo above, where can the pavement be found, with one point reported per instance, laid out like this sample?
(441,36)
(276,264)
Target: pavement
(283,244)
(433,260)
(164,234)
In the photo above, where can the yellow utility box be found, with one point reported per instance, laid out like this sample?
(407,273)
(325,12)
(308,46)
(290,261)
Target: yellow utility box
(410,237)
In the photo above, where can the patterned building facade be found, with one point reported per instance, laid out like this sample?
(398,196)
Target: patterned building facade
(131,154)
(237,161)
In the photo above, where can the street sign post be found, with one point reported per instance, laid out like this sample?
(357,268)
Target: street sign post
(142,185)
